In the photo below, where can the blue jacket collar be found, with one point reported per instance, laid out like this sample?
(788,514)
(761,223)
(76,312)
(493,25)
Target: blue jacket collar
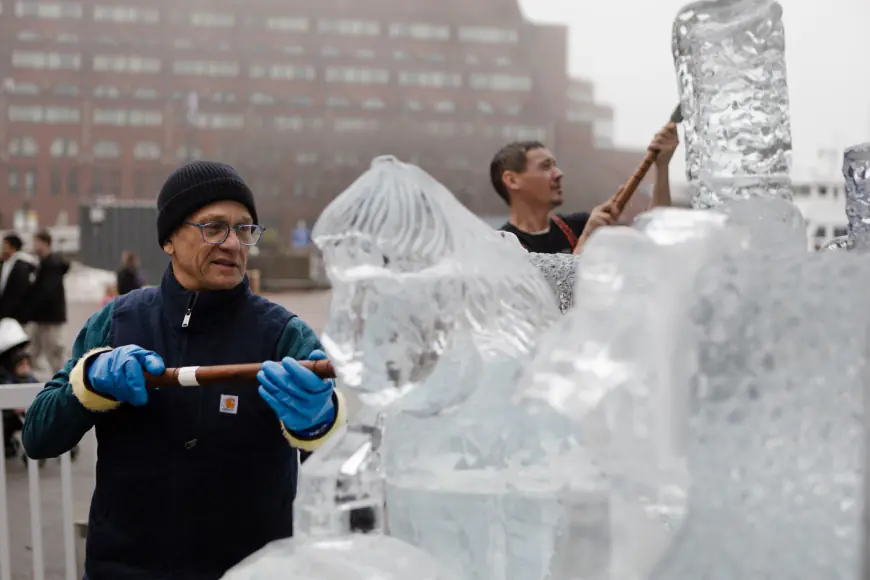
(187,309)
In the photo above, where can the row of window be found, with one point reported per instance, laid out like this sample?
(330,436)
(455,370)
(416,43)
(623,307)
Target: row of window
(67,180)
(139,118)
(333,74)
(214,19)
(103,149)
(290,50)
(265,99)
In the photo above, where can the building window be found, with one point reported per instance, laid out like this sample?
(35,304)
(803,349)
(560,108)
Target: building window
(354,125)
(500,82)
(261,99)
(23,89)
(126,64)
(14,183)
(364,53)
(72,181)
(286,123)
(288,24)
(485,108)
(23,147)
(521,133)
(330,51)
(349,27)
(30,181)
(106,150)
(374,104)
(513,110)
(206,68)
(301,101)
(602,130)
(186,153)
(106,92)
(306,158)
(29,36)
(97,187)
(56,183)
(134,118)
(145,118)
(337,102)
(110,117)
(347,159)
(23,114)
(126,14)
(46,60)
(415,106)
(66,90)
(293,50)
(445,107)
(67,38)
(48,10)
(420,31)
(430,79)
(63,148)
(213,19)
(146,151)
(218,121)
(357,75)
(283,72)
(146,94)
(488,35)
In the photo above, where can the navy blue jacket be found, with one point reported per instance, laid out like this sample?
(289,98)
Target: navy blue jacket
(187,486)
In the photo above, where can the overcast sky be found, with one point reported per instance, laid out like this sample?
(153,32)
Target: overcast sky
(624,47)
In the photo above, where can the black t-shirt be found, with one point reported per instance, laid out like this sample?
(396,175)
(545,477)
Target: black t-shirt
(554,240)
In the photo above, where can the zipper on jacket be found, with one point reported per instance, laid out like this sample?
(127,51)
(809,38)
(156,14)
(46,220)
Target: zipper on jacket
(189,312)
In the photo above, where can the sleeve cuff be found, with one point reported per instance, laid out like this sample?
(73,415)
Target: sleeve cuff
(310,442)
(90,399)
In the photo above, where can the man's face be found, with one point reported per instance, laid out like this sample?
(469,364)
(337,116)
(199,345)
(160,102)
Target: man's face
(541,182)
(7,250)
(40,248)
(203,266)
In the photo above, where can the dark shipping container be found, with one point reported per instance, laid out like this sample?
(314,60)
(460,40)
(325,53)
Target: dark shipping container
(108,229)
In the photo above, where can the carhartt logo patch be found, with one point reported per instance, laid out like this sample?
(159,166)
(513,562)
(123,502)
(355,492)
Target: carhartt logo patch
(229,404)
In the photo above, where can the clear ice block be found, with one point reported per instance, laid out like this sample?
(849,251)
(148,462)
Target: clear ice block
(414,274)
(730,61)
(775,447)
(355,557)
(856,171)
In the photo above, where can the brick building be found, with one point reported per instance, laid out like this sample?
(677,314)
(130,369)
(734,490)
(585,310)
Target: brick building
(101,97)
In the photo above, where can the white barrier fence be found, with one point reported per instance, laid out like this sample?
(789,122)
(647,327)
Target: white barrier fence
(20,397)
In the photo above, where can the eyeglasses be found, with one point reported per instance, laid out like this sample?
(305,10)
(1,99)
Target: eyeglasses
(217,232)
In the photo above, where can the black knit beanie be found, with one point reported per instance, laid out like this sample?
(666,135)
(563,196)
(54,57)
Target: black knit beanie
(194,186)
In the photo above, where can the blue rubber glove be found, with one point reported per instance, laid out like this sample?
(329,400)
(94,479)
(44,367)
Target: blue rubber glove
(301,399)
(118,374)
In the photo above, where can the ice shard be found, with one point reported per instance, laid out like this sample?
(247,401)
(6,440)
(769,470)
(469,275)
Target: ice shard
(559,270)
(730,62)
(856,171)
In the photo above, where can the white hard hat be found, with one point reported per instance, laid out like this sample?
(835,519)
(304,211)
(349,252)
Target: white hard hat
(11,335)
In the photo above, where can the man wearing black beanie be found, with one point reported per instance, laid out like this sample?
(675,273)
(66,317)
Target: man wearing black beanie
(190,481)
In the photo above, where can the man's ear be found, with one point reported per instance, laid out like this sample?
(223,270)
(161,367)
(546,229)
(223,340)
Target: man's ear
(169,248)
(511,180)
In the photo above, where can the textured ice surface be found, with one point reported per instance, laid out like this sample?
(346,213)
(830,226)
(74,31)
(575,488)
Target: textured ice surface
(418,281)
(776,432)
(559,270)
(730,61)
(514,486)
(837,244)
(356,557)
(856,171)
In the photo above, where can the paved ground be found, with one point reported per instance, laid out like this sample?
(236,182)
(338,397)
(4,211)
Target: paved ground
(310,306)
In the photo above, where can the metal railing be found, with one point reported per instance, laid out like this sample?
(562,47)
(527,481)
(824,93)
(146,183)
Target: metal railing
(20,397)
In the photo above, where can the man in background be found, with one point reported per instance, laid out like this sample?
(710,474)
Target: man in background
(46,303)
(526,177)
(129,277)
(14,278)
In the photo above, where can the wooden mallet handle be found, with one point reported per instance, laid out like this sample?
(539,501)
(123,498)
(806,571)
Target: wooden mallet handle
(621,198)
(198,376)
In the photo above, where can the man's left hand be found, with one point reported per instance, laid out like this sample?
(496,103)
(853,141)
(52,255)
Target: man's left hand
(301,399)
(665,142)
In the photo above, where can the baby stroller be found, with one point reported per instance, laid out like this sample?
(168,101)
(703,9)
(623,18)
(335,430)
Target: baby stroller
(15,368)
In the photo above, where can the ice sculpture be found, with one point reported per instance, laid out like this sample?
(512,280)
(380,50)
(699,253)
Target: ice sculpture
(856,171)
(730,61)
(559,270)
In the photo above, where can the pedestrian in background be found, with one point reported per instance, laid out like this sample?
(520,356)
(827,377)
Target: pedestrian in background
(129,276)
(15,278)
(45,305)
(190,480)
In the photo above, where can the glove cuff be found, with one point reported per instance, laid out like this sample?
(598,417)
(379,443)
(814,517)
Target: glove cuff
(82,388)
(313,439)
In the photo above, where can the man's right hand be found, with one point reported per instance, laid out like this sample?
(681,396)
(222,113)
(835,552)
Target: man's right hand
(118,373)
(605,214)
